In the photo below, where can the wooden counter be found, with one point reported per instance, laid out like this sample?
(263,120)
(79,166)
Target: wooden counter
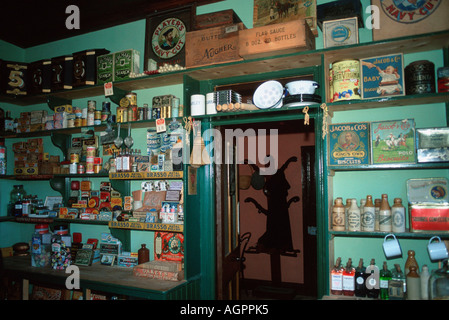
(118,280)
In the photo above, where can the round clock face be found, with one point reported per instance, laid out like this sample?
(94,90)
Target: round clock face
(168,38)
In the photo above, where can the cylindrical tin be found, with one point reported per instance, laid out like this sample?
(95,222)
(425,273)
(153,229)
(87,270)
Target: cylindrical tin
(346,80)
(90,118)
(78,122)
(74,158)
(420,77)
(90,152)
(97,115)
(70,123)
(132,98)
(443,79)
(91,105)
(73,167)
(81,168)
(175,107)
(97,168)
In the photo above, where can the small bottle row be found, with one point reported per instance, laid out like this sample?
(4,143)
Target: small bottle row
(370,217)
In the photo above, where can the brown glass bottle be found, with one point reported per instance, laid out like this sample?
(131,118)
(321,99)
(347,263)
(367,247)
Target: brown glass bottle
(143,254)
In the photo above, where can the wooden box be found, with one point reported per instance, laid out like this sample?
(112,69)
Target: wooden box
(40,76)
(281,38)
(14,78)
(215,19)
(213,46)
(85,66)
(62,73)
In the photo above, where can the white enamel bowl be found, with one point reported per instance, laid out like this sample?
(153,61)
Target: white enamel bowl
(268,95)
(302,87)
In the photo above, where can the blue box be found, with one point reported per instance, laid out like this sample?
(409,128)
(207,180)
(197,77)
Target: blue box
(349,144)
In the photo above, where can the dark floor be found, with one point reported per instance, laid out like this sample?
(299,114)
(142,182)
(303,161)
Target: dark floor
(267,292)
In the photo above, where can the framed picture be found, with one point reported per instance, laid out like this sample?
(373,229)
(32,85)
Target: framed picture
(278,11)
(393,141)
(382,76)
(165,36)
(340,32)
(349,144)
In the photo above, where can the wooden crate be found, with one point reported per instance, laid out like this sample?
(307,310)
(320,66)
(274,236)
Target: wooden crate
(215,19)
(213,46)
(280,38)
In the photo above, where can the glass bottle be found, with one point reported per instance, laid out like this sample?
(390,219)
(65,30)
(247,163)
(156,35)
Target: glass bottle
(413,284)
(411,261)
(360,277)
(372,280)
(397,284)
(425,275)
(9,122)
(376,212)
(349,279)
(384,215)
(353,216)
(125,161)
(439,283)
(369,215)
(337,278)
(118,161)
(16,197)
(2,157)
(384,278)
(338,215)
(398,216)
(143,254)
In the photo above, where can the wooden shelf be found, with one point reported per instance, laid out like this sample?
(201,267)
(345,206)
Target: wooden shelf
(392,166)
(405,235)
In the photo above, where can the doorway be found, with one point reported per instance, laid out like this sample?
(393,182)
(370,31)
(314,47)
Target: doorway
(276,231)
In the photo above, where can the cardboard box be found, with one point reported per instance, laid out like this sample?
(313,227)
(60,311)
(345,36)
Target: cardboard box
(105,68)
(349,143)
(213,46)
(393,141)
(126,62)
(146,270)
(276,39)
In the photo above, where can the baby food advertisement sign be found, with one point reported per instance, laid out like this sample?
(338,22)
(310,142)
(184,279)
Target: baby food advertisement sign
(382,76)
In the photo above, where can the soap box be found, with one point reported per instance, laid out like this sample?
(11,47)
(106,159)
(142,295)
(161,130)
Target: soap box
(393,141)
(349,143)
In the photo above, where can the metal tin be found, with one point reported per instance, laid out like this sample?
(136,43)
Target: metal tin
(74,158)
(73,168)
(91,105)
(420,77)
(346,80)
(90,152)
(132,98)
(443,79)
(70,123)
(97,115)
(81,168)
(140,114)
(90,118)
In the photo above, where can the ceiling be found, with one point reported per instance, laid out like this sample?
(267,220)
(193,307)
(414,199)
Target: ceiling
(34,22)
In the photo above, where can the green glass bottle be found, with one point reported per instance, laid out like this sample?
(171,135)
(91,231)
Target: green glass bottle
(384,277)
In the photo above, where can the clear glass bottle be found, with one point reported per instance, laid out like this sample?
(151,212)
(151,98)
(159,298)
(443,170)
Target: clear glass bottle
(353,216)
(398,216)
(397,284)
(385,215)
(368,215)
(338,215)
(384,278)
(439,283)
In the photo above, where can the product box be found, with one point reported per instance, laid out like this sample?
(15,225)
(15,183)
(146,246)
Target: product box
(393,141)
(428,190)
(213,46)
(341,32)
(126,62)
(431,217)
(275,39)
(14,78)
(62,73)
(105,68)
(349,143)
(142,270)
(85,66)
(432,144)
(382,76)
(40,76)
(168,246)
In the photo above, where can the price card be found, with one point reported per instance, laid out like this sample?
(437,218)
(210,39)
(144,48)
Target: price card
(160,125)
(108,89)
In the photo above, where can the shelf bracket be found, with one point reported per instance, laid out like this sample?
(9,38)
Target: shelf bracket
(59,184)
(53,102)
(118,95)
(62,141)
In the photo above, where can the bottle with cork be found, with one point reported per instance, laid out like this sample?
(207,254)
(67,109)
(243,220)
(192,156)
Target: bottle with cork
(338,215)
(354,216)
(398,216)
(349,279)
(368,215)
(384,215)
(337,278)
(360,277)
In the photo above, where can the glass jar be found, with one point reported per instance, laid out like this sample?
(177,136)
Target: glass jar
(16,197)
(439,283)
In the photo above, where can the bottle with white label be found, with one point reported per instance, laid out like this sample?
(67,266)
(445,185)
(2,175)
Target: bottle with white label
(398,216)
(354,216)
(337,278)
(368,215)
(385,215)
(338,215)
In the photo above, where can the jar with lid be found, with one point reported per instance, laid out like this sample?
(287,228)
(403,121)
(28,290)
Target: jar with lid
(439,283)
(16,197)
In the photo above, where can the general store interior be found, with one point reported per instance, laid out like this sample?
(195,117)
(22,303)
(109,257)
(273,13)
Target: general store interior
(304,270)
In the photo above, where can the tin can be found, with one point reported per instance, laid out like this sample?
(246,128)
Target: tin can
(443,79)
(90,151)
(97,115)
(89,167)
(132,98)
(70,123)
(346,80)
(420,77)
(175,107)
(81,168)
(90,118)
(73,168)
(74,158)
(97,168)
(91,105)
(78,122)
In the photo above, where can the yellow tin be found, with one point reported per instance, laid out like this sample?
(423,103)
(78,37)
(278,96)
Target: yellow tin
(346,80)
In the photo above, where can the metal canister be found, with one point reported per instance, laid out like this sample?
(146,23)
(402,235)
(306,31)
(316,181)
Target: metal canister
(132,98)
(81,168)
(140,114)
(346,80)
(420,77)
(443,79)
(90,118)
(74,158)
(91,105)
